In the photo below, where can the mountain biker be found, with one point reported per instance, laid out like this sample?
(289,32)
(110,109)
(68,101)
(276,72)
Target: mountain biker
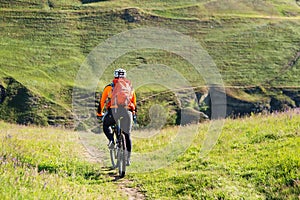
(114,113)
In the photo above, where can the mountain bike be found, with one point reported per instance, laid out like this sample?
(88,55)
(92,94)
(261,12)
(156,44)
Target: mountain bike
(118,155)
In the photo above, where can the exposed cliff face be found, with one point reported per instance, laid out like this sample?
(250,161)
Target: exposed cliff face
(236,107)
(131,15)
(294,94)
(22,106)
(2,93)
(280,99)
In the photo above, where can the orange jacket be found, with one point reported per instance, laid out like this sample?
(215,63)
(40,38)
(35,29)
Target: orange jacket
(106,96)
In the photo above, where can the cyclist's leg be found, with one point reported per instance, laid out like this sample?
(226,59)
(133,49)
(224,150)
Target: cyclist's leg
(126,125)
(128,142)
(128,146)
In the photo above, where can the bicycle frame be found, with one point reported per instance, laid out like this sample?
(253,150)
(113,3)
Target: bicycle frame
(119,152)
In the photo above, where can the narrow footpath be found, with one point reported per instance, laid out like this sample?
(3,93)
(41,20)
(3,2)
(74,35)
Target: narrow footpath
(94,155)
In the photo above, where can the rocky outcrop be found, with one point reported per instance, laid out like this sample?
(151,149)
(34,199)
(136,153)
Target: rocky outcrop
(294,94)
(22,106)
(191,116)
(90,1)
(131,15)
(279,99)
(237,107)
(2,93)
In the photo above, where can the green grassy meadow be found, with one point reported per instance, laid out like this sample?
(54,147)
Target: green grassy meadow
(255,158)
(254,44)
(41,163)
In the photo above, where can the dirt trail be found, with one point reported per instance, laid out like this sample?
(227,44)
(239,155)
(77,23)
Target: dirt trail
(132,193)
(92,154)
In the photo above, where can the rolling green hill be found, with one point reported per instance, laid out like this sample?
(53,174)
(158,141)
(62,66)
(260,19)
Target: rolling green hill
(255,45)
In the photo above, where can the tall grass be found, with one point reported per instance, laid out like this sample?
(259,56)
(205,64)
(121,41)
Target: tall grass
(256,157)
(40,163)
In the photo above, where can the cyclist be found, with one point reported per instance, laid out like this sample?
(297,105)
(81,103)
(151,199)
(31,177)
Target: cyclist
(113,114)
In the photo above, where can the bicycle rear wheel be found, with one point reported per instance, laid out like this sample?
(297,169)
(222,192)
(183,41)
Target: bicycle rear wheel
(122,157)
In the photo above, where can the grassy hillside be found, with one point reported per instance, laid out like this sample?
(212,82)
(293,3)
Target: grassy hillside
(255,158)
(43,43)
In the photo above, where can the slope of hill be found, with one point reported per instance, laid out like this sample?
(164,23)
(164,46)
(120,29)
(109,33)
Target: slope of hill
(255,44)
(255,158)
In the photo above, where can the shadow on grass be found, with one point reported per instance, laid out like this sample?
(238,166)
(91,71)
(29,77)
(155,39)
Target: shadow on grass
(91,1)
(112,173)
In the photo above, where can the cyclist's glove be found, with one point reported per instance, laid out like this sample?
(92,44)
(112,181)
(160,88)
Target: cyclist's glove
(134,118)
(100,116)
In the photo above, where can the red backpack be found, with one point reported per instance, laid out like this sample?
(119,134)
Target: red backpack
(122,93)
